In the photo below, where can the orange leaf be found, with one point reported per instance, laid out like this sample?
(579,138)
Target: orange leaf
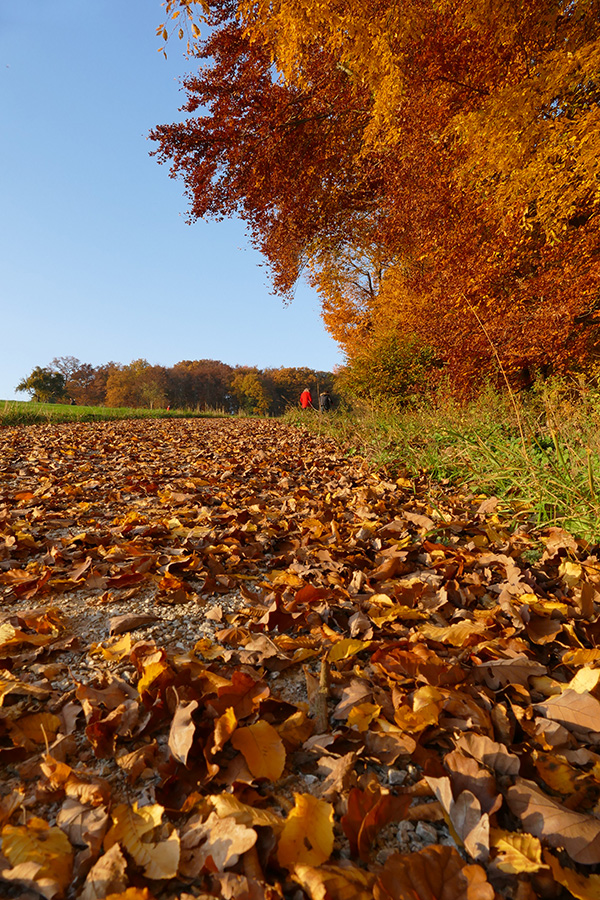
(262,748)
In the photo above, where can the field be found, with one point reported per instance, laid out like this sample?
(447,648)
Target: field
(237,662)
(14,412)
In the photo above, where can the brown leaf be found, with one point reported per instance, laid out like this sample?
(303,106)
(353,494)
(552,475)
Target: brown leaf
(544,817)
(213,845)
(181,735)
(436,873)
(494,755)
(465,817)
(574,710)
(107,876)
(130,621)
(335,882)
(467,775)
(369,811)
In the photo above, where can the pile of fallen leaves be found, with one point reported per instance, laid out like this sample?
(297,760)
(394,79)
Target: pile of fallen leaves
(393,676)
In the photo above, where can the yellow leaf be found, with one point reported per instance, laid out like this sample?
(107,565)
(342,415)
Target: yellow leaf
(362,715)
(335,882)
(571,573)
(557,774)
(262,748)
(114,651)
(37,728)
(151,672)
(133,893)
(584,681)
(282,576)
(228,806)
(456,635)
(131,828)
(519,852)
(345,648)
(580,886)
(307,836)
(40,846)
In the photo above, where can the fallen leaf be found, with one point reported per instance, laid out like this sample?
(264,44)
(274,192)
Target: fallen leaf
(181,735)
(262,748)
(436,873)
(545,818)
(107,876)
(41,856)
(214,845)
(517,852)
(307,836)
(131,827)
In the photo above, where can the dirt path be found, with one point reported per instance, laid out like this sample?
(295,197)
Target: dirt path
(300,672)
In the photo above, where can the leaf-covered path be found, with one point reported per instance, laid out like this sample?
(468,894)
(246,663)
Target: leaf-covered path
(236,664)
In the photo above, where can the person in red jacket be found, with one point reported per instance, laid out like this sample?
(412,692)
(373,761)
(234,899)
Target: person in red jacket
(305,399)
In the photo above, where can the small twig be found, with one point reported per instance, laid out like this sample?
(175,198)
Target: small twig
(321,715)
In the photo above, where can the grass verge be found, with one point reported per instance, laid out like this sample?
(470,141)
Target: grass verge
(540,455)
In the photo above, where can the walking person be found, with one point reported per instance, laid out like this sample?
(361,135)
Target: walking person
(306,399)
(324,401)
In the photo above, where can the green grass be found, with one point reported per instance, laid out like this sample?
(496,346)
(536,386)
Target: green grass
(539,452)
(30,413)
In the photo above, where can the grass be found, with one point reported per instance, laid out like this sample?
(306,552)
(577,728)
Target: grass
(539,453)
(30,413)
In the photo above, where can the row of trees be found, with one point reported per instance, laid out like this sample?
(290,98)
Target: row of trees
(432,167)
(190,384)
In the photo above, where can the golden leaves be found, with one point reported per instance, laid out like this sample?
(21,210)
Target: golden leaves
(214,737)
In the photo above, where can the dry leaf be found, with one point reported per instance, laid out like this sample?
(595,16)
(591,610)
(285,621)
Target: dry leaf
(436,873)
(544,817)
(262,748)
(214,845)
(107,876)
(41,856)
(307,836)
(131,828)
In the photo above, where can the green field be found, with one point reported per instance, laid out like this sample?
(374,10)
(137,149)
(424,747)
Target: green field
(15,412)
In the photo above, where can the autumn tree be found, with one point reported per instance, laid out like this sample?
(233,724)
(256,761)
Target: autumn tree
(44,385)
(84,383)
(138,384)
(433,168)
(200,384)
(250,392)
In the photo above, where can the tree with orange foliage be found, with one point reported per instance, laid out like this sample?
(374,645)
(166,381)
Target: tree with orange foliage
(434,169)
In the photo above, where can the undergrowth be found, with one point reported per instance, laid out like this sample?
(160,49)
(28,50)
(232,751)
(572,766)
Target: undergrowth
(539,452)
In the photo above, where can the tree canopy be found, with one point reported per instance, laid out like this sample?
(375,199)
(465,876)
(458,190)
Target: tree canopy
(433,168)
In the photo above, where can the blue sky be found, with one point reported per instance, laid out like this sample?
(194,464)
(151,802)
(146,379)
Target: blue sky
(96,259)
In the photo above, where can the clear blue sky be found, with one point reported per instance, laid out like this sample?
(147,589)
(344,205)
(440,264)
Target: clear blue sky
(96,259)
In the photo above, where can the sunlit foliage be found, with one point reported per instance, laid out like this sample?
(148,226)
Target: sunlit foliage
(432,168)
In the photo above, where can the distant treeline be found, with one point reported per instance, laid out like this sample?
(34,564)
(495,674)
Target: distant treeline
(189,384)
